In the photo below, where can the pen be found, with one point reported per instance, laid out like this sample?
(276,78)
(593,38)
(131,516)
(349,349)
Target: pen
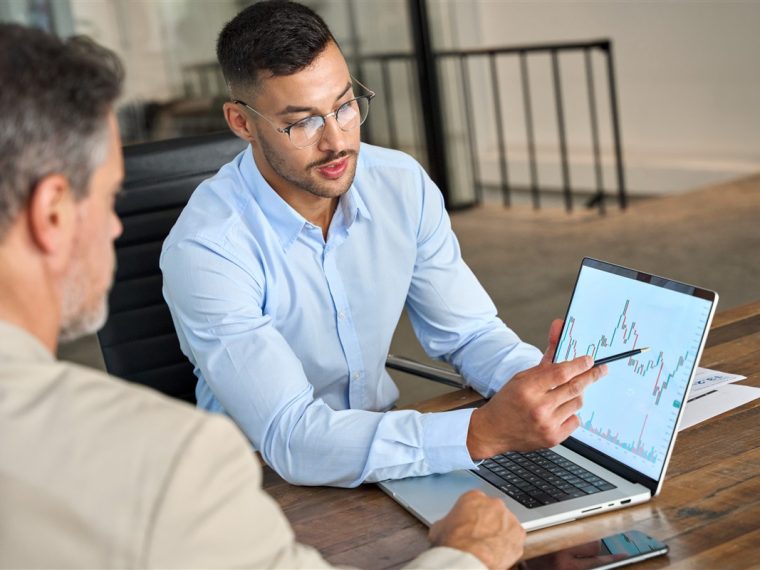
(620,356)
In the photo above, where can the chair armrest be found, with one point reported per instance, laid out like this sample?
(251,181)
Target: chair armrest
(425,371)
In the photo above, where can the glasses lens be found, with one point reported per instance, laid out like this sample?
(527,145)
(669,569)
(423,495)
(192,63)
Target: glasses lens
(307,131)
(352,114)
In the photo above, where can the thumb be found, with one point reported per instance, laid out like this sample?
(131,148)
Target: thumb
(554,331)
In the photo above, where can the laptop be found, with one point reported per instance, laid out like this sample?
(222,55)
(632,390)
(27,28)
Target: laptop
(629,419)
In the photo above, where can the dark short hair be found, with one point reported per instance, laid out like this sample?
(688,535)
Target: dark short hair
(54,100)
(277,37)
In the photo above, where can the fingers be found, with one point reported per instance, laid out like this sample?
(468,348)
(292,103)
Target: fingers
(530,410)
(554,332)
(479,503)
(483,526)
(572,368)
(515,535)
(569,408)
(569,426)
(575,387)
(559,374)
(469,496)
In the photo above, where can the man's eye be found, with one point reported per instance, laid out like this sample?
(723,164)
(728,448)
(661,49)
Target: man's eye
(308,125)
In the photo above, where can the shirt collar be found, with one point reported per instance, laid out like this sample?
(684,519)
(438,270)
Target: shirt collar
(354,203)
(17,344)
(285,221)
(352,206)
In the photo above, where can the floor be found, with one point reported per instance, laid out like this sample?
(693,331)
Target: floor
(527,260)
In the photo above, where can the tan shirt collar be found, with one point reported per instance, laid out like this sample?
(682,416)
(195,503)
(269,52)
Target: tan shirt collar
(18,345)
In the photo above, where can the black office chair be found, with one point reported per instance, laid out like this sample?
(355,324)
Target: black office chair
(139,342)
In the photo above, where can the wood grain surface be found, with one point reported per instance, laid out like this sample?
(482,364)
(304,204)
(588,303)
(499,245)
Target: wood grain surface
(708,511)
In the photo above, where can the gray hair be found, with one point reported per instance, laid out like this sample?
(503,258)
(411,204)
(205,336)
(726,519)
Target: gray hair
(54,101)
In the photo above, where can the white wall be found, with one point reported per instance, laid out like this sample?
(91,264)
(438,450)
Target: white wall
(688,82)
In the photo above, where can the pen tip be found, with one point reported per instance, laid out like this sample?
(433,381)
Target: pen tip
(645,349)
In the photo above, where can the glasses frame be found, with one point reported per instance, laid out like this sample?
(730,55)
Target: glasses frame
(286,130)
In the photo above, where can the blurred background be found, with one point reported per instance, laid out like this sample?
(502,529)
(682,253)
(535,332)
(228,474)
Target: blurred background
(687,81)
(555,129)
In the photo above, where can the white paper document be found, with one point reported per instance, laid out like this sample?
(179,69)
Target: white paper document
(707,379)
(712,394)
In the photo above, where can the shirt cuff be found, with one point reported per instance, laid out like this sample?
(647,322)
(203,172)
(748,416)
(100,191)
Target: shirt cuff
(445,440)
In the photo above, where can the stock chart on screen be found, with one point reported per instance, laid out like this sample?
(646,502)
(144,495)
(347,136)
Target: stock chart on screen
(631,413)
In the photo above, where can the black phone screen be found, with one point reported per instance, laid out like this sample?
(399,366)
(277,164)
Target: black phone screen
(608,552)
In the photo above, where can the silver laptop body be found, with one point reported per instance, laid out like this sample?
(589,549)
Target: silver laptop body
(636,473)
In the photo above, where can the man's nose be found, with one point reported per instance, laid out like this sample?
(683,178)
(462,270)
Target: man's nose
(333,137)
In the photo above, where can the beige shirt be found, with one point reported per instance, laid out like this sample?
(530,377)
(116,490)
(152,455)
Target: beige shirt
(98,473)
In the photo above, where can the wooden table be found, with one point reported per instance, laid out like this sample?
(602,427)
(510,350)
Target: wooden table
(708,511)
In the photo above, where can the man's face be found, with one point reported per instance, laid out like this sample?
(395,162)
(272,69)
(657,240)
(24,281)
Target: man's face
(326,169)
(84,288)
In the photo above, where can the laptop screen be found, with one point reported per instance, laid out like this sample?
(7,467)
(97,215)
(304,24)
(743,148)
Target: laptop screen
(631,414)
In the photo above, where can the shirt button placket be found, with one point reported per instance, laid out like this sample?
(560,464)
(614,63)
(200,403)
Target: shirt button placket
(346,334)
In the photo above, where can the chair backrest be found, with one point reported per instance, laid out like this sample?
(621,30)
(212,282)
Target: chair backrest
(139,342)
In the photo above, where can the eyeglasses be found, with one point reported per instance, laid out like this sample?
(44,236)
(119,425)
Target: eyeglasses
(308,131)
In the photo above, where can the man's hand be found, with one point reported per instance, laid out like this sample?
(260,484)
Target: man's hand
(536,408)
(482,526)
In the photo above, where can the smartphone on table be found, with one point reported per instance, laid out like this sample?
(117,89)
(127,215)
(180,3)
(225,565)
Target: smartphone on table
(609,552)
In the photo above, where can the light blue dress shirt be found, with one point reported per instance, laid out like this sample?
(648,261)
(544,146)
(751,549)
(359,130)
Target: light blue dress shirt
(288,333)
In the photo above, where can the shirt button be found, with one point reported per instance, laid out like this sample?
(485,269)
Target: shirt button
(356,375)
(342,316)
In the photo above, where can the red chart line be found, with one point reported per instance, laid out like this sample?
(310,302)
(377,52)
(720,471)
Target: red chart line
(657,382)
(641,433)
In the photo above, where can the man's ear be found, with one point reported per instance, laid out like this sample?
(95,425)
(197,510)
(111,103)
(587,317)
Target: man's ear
(238,122)
(52,218)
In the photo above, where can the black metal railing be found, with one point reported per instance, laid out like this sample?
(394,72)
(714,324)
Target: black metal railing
(464,60)
(384,82)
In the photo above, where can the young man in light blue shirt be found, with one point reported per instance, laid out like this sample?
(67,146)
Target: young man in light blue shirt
(287,272)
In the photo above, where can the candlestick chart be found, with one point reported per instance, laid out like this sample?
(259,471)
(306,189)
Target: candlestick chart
(631,413)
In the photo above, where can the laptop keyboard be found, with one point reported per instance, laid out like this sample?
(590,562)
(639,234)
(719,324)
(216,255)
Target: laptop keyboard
(540,477)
